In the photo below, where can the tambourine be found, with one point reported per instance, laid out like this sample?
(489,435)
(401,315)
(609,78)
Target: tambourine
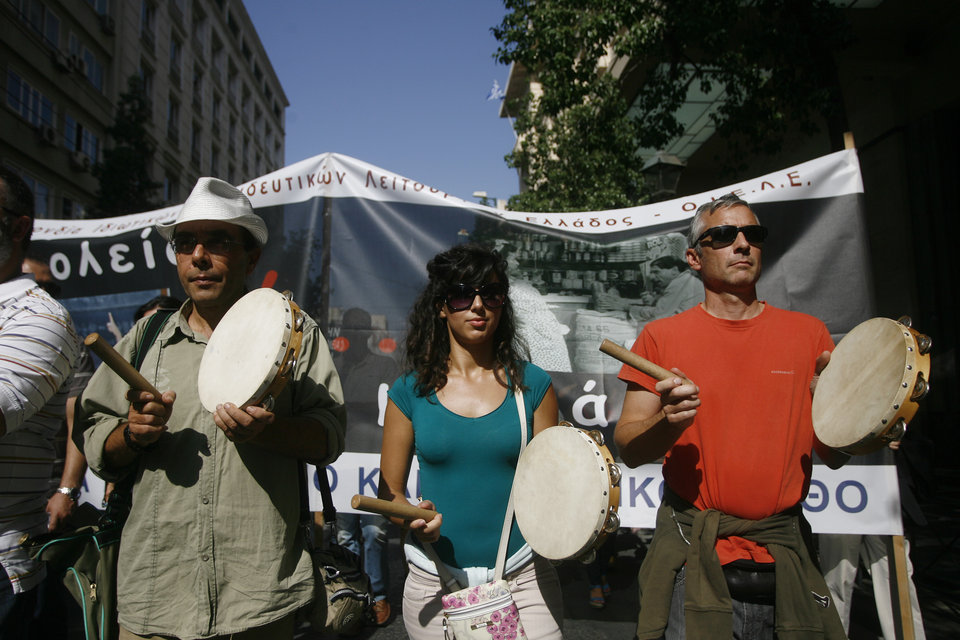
(868,392)
(566,492)
(252,352)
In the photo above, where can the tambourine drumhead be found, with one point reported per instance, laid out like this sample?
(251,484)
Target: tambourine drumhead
(248,350)
(867,386)
(563,493)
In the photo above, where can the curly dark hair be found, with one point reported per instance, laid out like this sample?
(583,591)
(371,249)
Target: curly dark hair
(428,344)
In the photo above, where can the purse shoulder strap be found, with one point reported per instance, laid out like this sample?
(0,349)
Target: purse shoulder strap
(508,517)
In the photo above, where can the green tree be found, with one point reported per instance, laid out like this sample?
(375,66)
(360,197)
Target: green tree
(578,140)
(125,184)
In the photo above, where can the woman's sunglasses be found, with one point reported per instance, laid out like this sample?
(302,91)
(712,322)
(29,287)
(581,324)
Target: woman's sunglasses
(726,234)
(462,296)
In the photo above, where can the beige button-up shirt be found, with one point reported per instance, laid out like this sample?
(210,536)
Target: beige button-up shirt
(212,545)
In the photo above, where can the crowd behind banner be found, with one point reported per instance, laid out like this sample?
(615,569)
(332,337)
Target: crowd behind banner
(351,236)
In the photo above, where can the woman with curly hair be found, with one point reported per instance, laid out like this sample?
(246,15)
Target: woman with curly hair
(456,409)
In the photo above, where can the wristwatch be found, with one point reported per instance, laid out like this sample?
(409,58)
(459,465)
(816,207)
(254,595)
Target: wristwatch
(71,492)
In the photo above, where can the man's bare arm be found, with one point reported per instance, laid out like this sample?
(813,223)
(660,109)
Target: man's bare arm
(650,424)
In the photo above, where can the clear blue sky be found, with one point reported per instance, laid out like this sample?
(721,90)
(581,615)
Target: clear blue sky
(399,84)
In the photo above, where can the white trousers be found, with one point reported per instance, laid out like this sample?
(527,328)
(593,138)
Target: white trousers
(840,555)
(535,588)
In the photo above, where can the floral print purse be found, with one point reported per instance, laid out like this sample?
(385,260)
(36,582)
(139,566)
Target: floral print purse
(484,612)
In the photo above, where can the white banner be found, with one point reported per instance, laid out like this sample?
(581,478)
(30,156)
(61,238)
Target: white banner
(853,499)
(345,234)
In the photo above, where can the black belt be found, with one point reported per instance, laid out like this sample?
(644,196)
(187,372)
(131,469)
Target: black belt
(753,582)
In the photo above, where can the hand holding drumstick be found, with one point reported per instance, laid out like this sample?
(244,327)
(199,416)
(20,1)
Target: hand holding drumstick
(649,424)
(149,408)
(423,519)
(676,391)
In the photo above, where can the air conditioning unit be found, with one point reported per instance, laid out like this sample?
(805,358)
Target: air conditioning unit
(47,135)
(60,60)
(80,161)
(107,25)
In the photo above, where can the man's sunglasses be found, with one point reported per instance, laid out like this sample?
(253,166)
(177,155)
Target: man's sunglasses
(726,234)
(219,246)
(462,296)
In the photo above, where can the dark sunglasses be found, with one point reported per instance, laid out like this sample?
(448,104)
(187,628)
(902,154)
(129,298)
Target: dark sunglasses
(462,296)
(726,234)
(218,246)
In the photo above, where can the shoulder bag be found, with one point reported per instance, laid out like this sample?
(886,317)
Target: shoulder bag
(343,598)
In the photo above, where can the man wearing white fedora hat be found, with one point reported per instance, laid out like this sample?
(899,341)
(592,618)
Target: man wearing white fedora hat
(212,546)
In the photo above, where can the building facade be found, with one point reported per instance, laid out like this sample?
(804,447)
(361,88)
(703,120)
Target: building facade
(217,106)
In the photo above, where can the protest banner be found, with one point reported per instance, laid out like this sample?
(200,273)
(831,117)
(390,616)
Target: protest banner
(351,241)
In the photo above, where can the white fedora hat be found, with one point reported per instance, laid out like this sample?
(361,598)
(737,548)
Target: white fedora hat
(213,199)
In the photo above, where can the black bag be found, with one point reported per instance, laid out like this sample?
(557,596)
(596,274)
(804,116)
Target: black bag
(342,602)
(343,597)
(87,559)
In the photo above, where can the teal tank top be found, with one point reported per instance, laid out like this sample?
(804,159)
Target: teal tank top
(467,466)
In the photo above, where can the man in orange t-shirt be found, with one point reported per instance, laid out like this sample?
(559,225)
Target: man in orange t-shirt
(737,443)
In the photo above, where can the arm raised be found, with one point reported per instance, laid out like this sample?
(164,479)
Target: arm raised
(650,424)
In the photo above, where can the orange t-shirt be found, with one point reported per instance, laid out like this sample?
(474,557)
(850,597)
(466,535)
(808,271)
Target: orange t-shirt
(748,452)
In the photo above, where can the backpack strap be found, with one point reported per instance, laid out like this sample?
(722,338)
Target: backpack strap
(150,333)
(124,487)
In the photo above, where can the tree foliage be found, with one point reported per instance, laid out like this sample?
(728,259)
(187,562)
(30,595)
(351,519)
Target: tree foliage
(578,140)
(125,183)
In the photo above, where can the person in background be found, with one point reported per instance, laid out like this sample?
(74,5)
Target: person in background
(38,353)
(456,410)
(842,554)
(600,588)
(56,609)
(227,482)
(365,375)
(71,465)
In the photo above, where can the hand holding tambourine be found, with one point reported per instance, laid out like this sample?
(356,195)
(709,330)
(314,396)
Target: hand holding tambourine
(868,393)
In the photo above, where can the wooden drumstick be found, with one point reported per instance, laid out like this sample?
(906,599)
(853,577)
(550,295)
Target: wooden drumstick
(119,366)
(390,508)
(640,364)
